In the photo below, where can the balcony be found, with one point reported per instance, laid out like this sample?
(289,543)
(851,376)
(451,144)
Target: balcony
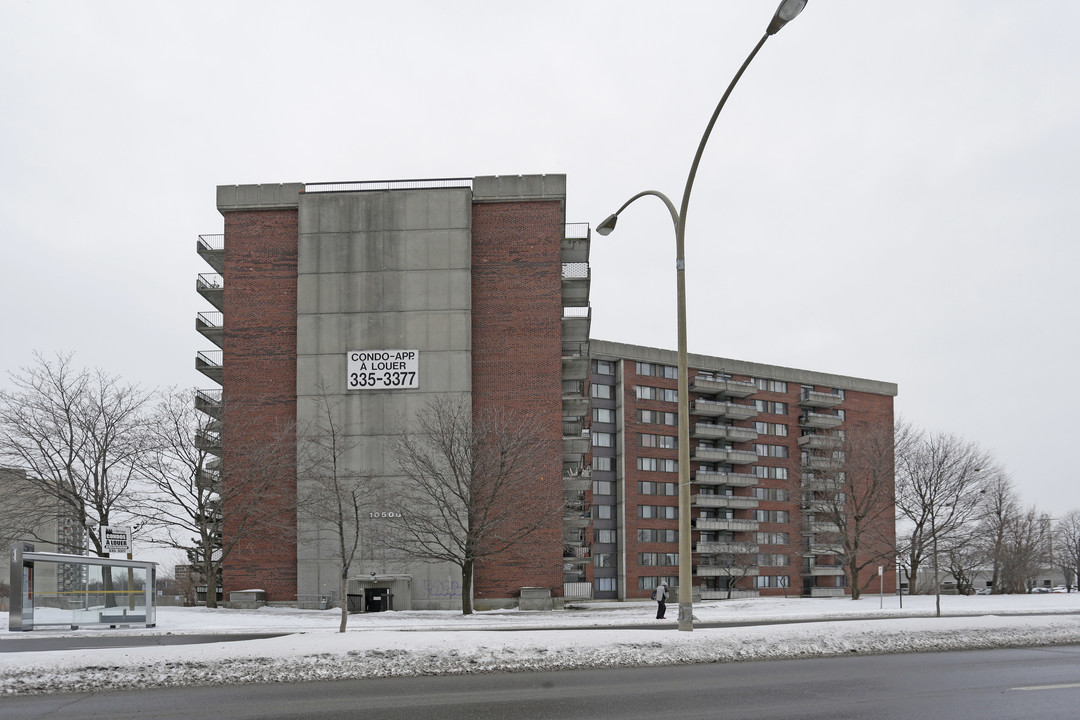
(715,385)
(577,590)
(725,571)
(824,571)
(210,286)
(822,462)
(814,398)
(575,323)
(210,324)
(208,441)
(575,243)
(818,526)
(209,402)
(211,248)
(708,477)
(818,484)
(724,501)
(732,525)
(727,410)
(208,362)
(823,548)
(722,455)
(712,431)
(576,479)
(575,283)
(575,361)
(718,548)
(576,447)
(576,555)
(820,442)
(820,420)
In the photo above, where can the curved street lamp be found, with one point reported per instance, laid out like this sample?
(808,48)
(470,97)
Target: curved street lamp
(784,14)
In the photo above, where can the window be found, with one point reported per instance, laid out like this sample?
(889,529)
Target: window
(779,495)
(604,560)
(656,535)
(770,407)
(604,464)
(646,392)
(777,451)
(772,581)
(658,488)
(658,441)
(767,428)
(603,439)
(603,367)
(603,487)
(771,516)
(776,473)
(650,583)
(603,392)
(606,584)
(657,464)
(658,418)
(658,559)
(603,415)
(765,538)
(663,512)
(778,386)
(772,560)
(655,370)
(604,512)
(604,536)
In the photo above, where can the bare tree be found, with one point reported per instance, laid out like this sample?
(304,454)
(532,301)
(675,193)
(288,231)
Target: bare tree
(333,495)
(1067,546)
(939,490)
(738,563)
(81,436)
(470,486)
(856,496)
(1001,505)
(1025,551)
(190,488)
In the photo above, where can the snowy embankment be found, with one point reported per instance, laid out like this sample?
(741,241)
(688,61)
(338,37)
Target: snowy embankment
(583,636)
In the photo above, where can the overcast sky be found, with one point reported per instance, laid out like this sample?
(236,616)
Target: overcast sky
(890,192)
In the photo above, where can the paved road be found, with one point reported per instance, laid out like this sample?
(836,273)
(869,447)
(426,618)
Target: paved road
(1030,684)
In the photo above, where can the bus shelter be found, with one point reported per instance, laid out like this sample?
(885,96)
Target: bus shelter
(56,589)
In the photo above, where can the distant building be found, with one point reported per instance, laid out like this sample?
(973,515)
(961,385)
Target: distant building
(486,282)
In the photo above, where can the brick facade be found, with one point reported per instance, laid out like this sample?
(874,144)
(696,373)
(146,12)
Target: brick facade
(259,367)
(517,359)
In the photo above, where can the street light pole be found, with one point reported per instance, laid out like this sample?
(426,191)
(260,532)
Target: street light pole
(785,13)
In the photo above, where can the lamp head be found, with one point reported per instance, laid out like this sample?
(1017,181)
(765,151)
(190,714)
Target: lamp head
(608,225)
(787,12)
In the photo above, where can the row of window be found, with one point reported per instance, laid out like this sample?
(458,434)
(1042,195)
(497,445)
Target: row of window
(650,583)
(659,535)
(607,464)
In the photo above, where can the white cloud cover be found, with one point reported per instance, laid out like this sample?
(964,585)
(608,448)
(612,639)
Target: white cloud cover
(583,636)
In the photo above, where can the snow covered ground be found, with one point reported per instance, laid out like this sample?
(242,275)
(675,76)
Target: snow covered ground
(584,635)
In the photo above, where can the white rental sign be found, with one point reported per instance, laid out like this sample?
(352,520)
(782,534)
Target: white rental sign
(115,539)
(383,369)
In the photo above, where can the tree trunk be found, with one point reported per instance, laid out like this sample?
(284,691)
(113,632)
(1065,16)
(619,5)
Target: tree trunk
(344,599)
(466,587)
(853,573)
(209,571)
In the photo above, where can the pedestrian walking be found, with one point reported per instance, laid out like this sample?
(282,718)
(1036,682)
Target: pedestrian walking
(661,600)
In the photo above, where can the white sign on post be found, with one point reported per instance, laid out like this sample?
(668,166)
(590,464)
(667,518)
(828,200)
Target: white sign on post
(383,369)
(115,539)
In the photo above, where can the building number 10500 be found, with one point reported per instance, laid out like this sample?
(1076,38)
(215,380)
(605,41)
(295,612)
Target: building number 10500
(396,378)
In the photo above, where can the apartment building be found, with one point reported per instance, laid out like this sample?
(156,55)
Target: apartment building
(485,287)
(768,472)
(479,281)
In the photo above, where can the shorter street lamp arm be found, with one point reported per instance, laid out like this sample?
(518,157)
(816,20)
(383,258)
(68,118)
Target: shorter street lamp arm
(608,225)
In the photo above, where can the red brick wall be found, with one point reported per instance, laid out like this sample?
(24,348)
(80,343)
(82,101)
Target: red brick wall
(259,391)
(517,360)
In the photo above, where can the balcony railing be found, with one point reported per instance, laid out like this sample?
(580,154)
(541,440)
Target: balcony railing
(576,231)
(210,243)
(710,477)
